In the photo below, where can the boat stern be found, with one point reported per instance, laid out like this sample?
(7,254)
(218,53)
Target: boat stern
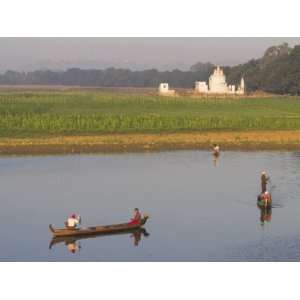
(51,228)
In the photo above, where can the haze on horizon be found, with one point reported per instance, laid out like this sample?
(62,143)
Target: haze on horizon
(26,54)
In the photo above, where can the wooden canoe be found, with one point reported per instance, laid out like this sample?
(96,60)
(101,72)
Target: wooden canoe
(73,239)
(95,230)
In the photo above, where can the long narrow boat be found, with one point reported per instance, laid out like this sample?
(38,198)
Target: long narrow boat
(95,230)
(72,239)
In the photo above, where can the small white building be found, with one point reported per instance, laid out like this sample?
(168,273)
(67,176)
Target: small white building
(217,85)
(201,87)
(164,90)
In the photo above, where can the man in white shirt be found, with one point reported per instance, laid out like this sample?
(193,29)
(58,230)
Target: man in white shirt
(72,222)
(216,149)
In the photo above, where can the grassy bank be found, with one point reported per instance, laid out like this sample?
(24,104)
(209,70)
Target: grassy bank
(29,114)
(90,121)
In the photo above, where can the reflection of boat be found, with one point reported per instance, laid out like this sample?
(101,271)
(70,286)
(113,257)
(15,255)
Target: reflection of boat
(71,240)
(96,230)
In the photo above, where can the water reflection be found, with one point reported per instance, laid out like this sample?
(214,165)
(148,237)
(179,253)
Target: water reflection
(73,245)
(265,214)
(216,158)
(137,236)
(217,221)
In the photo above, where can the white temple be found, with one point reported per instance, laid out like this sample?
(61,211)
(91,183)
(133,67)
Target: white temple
(164,90)
(217,85)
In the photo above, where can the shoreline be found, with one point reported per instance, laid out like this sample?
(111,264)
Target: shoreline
(120,143)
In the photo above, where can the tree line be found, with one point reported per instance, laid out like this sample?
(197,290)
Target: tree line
(111,77)
(278,71)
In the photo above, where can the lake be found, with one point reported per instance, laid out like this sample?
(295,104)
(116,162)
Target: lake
(200,209)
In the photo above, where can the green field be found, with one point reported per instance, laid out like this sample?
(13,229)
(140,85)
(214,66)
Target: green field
(43,113)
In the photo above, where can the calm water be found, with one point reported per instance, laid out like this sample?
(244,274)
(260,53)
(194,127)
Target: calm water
(198,211)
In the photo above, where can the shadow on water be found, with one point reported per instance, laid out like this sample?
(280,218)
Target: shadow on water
(73,242)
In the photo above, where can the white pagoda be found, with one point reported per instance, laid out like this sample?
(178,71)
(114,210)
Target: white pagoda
(217,85)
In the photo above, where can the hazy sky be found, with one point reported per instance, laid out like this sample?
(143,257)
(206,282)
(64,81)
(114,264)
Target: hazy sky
(134,53)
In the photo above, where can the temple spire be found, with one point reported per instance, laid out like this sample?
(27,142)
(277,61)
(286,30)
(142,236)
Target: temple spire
(242,84)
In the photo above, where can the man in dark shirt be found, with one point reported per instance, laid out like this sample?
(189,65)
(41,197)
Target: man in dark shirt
(264,180)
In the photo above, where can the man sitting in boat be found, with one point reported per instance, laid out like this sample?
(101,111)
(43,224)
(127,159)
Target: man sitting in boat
(72,222)
(137,217)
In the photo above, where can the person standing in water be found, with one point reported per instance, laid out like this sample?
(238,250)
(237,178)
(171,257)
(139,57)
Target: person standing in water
(216,150)
(264,180)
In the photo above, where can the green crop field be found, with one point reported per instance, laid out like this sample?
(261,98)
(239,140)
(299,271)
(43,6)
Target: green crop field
(41,113)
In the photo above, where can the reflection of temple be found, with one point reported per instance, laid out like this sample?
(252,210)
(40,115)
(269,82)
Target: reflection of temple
(217,85)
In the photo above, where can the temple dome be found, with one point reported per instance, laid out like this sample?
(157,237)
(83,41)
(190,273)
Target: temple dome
(217,82)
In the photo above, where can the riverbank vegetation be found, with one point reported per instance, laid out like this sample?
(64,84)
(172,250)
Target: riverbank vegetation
(68,113)
(78,121)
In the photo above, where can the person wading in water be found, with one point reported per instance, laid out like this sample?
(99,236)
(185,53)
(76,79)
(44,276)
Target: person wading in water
(264,180)
(216,150)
